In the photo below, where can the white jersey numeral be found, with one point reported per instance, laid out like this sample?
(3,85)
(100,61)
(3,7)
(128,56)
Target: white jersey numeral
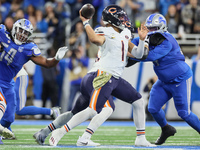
(9,56)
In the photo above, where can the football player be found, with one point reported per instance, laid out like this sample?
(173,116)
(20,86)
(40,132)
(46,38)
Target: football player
(174,77)
(16,50)
(114,42)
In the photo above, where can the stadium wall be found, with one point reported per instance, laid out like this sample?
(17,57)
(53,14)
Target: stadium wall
(138,75)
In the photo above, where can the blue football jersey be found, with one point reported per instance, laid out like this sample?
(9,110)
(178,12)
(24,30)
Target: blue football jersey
(169,62)
(13,56)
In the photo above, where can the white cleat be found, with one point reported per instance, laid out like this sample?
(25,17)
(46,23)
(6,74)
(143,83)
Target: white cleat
(56,137)
(141,141)
(86,142)
(6,133)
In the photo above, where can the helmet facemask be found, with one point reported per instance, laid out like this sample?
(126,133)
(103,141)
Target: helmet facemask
(156,23)
(115,15)
(21,31)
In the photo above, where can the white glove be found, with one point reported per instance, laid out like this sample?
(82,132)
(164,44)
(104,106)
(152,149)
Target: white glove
(61,53)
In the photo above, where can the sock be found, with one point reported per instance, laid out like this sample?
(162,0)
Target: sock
(193,121)
(58,122)
(97,121)
(33,110)
(2,106)
(139,116)
(88,133)
(81,117)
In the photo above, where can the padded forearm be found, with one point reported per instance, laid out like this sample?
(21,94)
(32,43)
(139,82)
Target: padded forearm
(138,51)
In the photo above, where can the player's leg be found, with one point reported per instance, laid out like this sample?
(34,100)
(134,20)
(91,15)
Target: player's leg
(97,101)
(156,102)
(61,120)
(9,115)
(127,93)
(81,103)
(21,85)
(95,123)
(182,95)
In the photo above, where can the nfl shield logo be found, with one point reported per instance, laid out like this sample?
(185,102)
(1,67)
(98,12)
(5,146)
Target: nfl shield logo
(20,49)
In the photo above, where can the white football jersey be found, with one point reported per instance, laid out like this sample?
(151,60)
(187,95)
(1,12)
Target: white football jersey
(113,52)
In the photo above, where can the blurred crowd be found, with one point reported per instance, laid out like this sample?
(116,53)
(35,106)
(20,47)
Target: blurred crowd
(59,19)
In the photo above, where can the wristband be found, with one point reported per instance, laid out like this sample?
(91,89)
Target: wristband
(86,23)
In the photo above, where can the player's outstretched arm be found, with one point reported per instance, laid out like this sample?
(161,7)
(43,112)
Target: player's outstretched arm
(142,48)
(93,37)
(50,62)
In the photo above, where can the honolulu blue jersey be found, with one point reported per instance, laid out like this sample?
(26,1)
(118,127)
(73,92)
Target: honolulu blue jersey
(169,62)
(13,56)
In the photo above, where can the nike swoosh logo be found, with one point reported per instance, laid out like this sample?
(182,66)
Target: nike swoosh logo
(84,143)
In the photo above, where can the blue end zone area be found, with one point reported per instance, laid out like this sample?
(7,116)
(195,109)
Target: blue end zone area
(107,123)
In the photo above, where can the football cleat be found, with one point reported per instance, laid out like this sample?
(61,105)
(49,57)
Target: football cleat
(1,142)
(86,142)
(141,141)
(40,137)
(56,112)
(56,137)
(12,138)
(5,132)
(167,131)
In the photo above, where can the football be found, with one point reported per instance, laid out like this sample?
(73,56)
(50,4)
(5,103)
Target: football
(87,11)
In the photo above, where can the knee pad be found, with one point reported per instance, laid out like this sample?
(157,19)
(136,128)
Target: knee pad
(152,110)
(183,114)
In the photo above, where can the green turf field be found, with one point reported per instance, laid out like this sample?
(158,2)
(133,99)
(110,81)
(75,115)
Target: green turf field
(106,135)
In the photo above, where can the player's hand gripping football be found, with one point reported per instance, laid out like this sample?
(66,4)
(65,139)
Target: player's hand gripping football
(83,18)
(61,53)
(142,32)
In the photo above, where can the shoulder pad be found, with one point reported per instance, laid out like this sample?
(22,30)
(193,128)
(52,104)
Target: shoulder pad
(156,39)
(36,51)
(2,27)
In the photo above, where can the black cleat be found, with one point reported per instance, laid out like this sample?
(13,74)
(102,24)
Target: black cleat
(167,131)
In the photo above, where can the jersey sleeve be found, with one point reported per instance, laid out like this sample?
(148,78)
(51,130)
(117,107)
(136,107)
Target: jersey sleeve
(35,50)
(2,31)
(99,31)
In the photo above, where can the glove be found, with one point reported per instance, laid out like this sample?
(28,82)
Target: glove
(61,53)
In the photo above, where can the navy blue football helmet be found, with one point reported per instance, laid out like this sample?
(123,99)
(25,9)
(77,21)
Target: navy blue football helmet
(115,15)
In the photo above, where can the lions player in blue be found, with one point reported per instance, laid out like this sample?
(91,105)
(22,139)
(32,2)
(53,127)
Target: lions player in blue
(16,50)
(174,77)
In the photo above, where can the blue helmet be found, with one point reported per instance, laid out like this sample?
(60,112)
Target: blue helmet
(156,23)
(21,31)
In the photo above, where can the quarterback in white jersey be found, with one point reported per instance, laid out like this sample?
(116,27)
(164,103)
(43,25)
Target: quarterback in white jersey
(114,42)
(114,50)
